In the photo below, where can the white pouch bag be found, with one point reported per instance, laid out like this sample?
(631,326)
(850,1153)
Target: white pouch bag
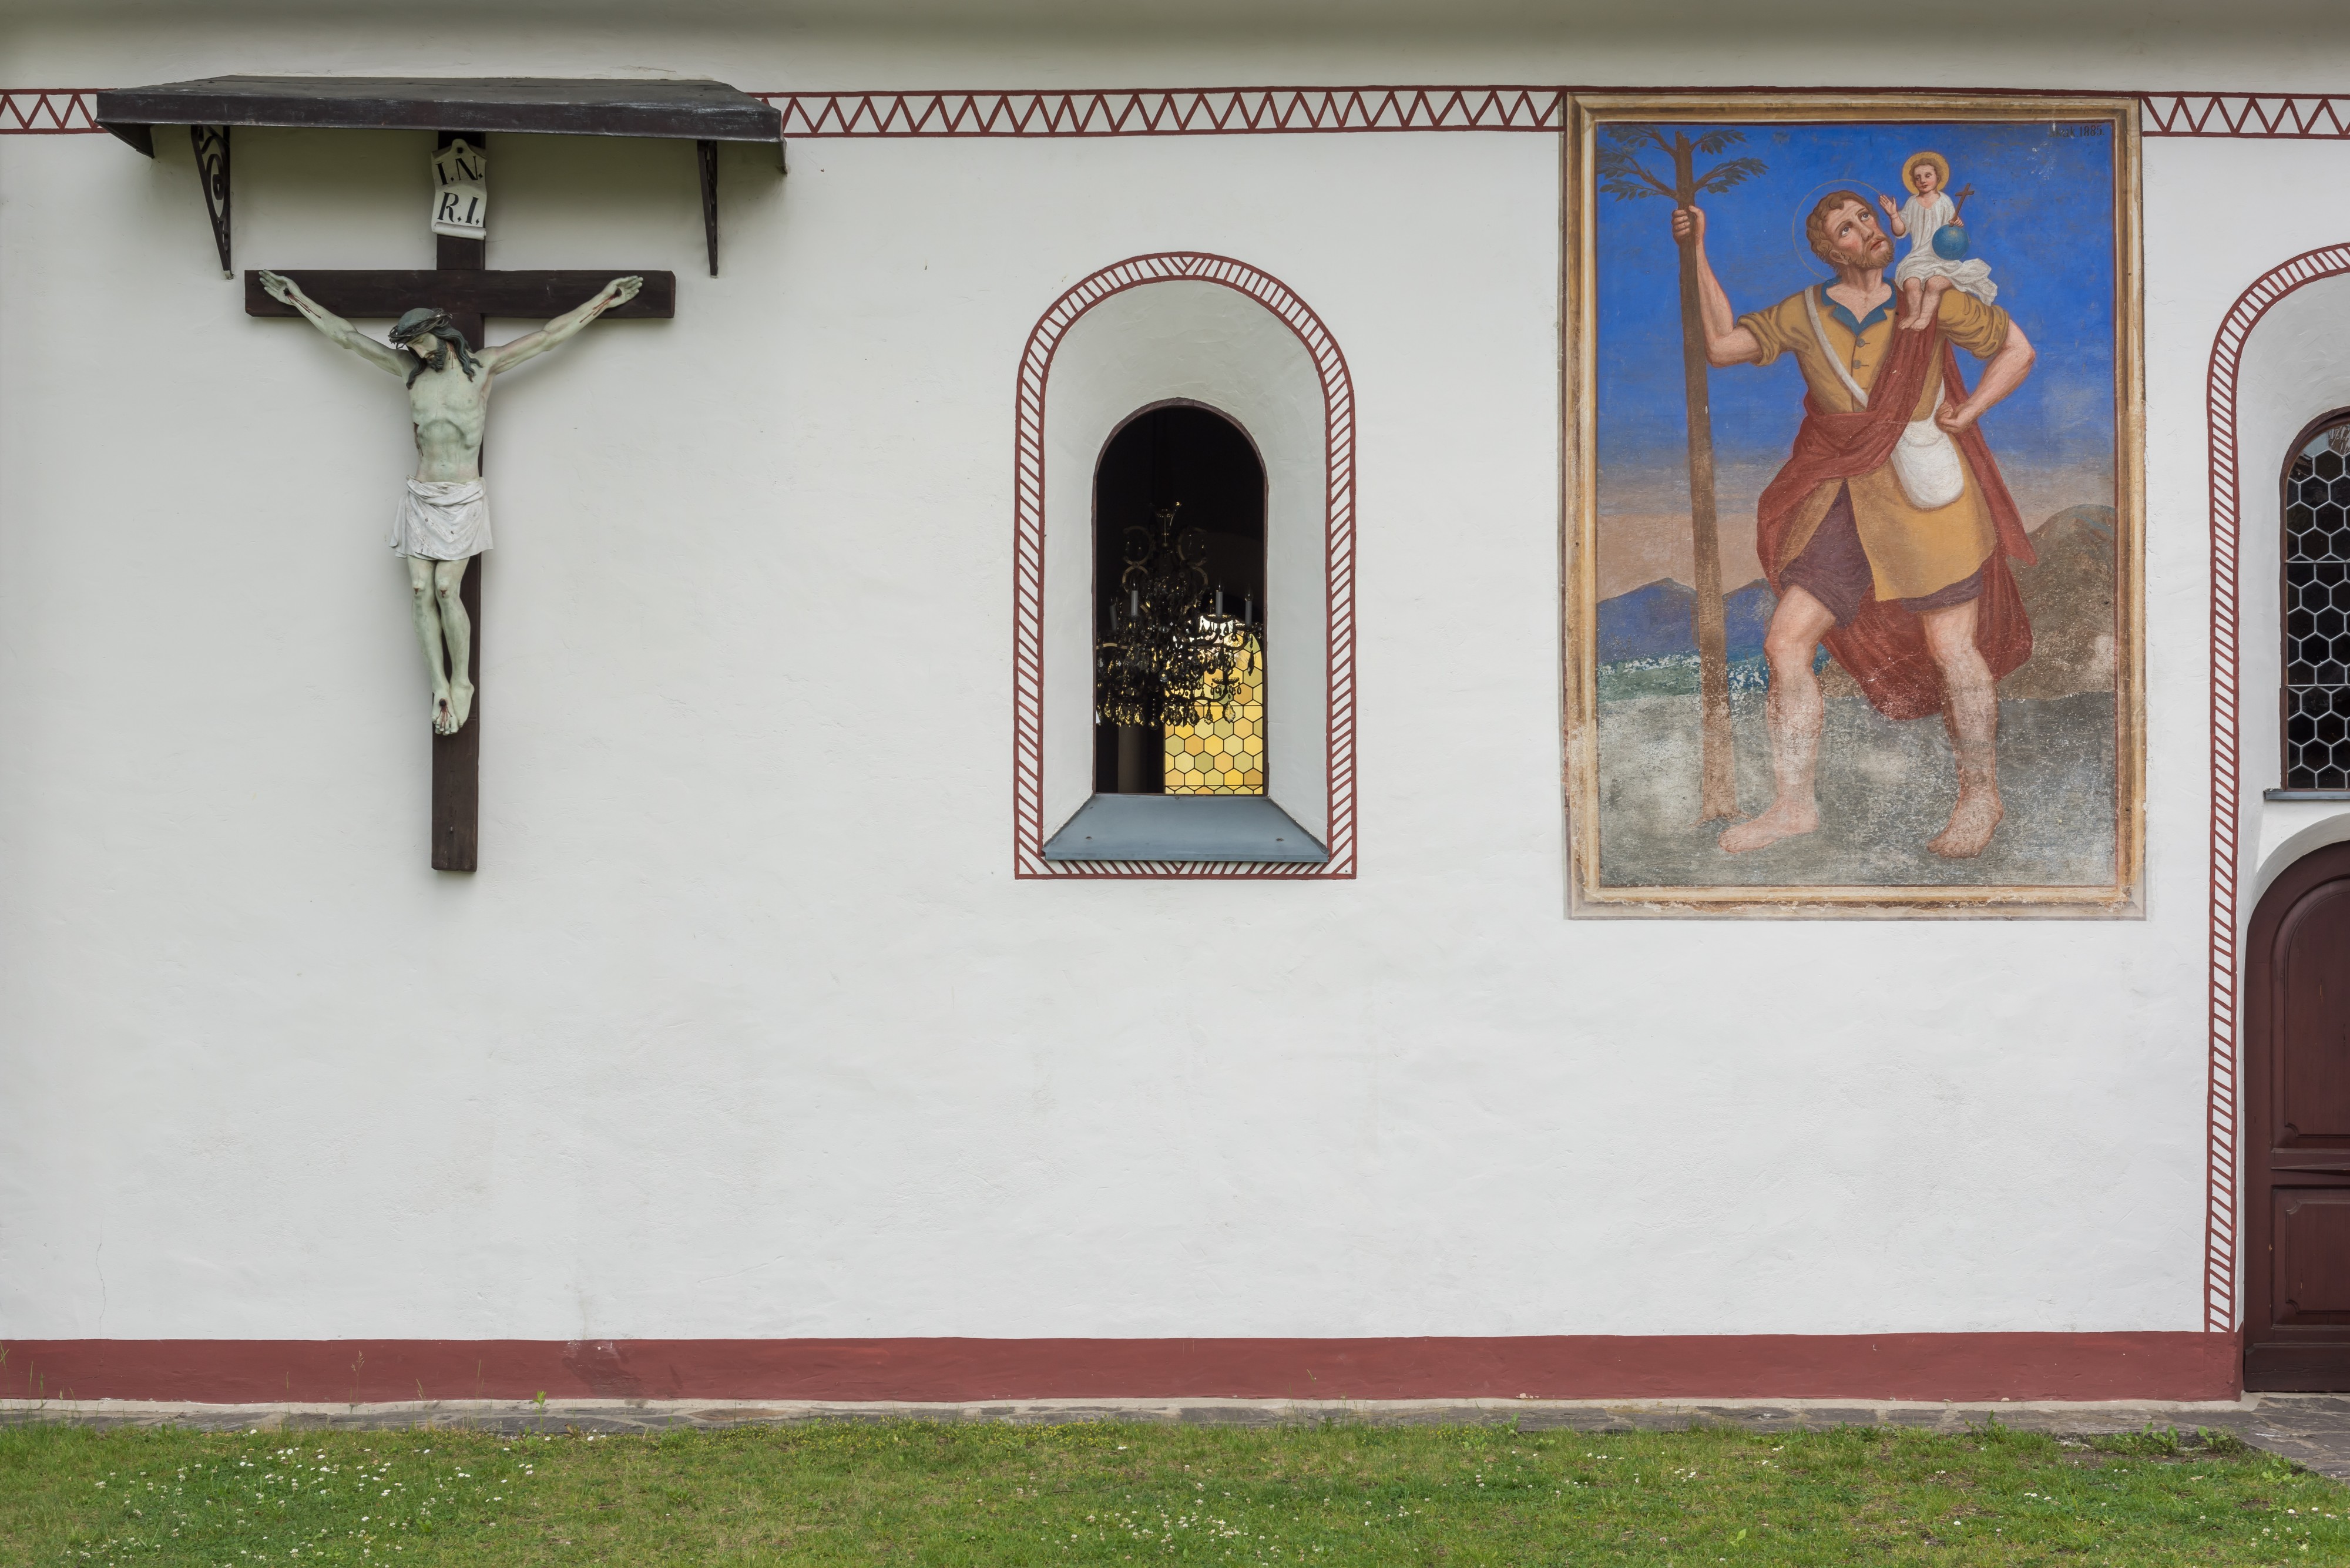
(1927,462)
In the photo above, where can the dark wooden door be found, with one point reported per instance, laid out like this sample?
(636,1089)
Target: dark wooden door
(2297,1130)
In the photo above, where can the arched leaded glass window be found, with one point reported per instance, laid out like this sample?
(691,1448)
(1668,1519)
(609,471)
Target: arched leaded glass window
(2317,608)
(1180,504)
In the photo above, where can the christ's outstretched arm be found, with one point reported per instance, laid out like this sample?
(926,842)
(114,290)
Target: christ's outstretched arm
(563,328)
(1726,342)
(339,332)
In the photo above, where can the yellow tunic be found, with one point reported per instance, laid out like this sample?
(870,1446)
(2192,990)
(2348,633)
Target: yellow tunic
(1912,552)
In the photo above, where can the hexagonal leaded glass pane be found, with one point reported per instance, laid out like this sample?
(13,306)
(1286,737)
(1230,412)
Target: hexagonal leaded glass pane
(1214,758)
(2317,614)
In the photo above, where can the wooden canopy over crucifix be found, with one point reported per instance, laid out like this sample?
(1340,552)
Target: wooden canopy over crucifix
(703,112)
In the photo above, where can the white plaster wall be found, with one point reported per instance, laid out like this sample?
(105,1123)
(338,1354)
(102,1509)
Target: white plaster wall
(744,1027)
(1207,343)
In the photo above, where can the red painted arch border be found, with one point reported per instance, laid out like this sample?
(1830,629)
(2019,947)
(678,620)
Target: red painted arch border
(2220,1218)
(1954,1368)
(1028,564)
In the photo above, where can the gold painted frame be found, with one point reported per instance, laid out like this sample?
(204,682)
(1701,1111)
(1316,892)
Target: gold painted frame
(1588,899)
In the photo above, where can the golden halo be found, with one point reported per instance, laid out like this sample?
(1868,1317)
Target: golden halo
(1941,171)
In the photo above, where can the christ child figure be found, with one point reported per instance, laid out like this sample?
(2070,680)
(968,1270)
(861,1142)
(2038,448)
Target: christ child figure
(1937,260)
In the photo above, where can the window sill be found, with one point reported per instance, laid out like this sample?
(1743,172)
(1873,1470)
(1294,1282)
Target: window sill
(2292,794)
(1210,827)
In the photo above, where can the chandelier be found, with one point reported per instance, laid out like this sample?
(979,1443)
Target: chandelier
(1172,654)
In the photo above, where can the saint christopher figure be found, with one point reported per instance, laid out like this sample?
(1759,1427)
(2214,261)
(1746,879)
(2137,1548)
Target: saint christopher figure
(1888,532)
(443,520)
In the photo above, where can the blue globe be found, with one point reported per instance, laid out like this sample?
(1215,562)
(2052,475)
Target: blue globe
(1949,242)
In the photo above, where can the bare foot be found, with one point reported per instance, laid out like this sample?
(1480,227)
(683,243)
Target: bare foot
(1920,321)
(461,698)
(1783,820)
(444,718)
(1972,822)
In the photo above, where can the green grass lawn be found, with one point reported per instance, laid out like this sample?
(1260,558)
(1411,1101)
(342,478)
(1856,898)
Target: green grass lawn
(970,1493)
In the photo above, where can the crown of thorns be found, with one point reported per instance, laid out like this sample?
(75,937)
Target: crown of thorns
(426,322)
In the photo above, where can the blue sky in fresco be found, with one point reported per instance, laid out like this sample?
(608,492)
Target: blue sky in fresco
(2041,215)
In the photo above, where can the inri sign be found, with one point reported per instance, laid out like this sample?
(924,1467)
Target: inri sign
(460,191)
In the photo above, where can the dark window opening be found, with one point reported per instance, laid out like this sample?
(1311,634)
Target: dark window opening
(1189,457)
(2317,608)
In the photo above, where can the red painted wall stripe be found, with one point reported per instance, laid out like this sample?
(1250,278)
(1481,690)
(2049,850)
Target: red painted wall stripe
(1920,1367)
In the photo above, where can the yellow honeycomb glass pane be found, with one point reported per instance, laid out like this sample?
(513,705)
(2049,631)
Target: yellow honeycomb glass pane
(1224,755)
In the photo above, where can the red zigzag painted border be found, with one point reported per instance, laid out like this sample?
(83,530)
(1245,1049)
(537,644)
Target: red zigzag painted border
(1226,111)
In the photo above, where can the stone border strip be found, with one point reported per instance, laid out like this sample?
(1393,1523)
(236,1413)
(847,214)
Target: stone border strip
(2312,1430)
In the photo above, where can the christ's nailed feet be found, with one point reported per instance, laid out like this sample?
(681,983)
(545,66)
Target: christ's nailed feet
(1972,822)
(1785,819)
(461,699)
(445,719)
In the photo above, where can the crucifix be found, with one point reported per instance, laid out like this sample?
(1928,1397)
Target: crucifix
(443,523)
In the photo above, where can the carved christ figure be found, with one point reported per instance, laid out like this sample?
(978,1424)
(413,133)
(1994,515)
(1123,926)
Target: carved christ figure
(443,520)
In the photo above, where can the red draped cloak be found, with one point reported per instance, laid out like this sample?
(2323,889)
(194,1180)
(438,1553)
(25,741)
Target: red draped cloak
(1885,647)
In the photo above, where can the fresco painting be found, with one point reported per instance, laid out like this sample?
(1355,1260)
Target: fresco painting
(1852,620)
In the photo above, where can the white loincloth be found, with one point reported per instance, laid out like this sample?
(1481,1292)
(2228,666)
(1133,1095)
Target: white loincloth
(442,520)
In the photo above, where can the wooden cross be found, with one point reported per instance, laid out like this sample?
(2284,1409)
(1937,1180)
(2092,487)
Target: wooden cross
(463,285)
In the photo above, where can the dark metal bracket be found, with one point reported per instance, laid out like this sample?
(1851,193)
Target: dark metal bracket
(212,174)
(705,154)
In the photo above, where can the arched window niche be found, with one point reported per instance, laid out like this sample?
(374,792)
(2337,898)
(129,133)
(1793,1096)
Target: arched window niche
(1177,361)
(2291,388)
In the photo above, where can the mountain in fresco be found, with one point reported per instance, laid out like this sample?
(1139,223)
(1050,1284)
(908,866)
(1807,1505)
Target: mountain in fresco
(2069,596)
(1653,621)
